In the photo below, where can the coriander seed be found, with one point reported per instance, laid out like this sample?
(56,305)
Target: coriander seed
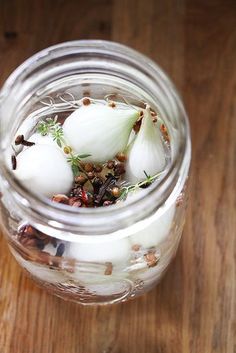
(86,101)
(67,149)
(119,169)
(110,164)
(88,167)
(115,191)
(91,175)
(81,179)
(121,157)
(98,168)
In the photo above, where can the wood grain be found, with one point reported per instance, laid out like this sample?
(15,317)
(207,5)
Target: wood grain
(194,308)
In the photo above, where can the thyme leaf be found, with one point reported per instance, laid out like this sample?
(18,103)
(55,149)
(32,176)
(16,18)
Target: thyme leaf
(50,126)
(125,190)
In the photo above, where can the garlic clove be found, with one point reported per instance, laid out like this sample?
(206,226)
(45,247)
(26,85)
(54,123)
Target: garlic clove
(40,271)
(157,231)
(42,140)
(115,251)
(99,130)
(146,153)
(44,169)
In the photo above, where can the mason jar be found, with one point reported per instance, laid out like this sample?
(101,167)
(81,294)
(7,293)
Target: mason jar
(92,255)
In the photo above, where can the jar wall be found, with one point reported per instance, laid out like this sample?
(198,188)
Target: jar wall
(105,270)
(93,258)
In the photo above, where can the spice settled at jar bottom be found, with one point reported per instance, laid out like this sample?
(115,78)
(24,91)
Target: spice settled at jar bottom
(105,270)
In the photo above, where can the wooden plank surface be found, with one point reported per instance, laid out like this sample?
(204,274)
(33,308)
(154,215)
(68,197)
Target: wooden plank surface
(193,309)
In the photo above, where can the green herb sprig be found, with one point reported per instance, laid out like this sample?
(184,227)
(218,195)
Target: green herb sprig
(75,161)
(50,126)
(125,190)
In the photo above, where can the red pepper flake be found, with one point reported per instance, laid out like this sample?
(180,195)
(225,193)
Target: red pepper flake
(84,197)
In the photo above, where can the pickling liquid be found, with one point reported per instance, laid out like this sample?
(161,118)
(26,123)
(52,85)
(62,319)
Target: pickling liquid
(101,269)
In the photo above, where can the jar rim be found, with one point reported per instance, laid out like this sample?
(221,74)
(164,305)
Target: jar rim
(40,209)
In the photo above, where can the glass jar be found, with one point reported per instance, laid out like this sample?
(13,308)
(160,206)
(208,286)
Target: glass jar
(108,254)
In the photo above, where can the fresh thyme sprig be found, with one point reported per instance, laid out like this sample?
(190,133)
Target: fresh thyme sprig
(130,188)
(53,127)
(75,161)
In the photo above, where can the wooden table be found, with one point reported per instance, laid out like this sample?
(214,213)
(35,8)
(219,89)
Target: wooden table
(193,309)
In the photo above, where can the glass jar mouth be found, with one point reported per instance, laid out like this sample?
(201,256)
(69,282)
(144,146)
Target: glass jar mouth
(104,219)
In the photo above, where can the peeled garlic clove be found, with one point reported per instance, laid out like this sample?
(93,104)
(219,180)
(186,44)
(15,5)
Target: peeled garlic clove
(99,130)
(42,140)
(146,153)
(40,271)
(43,169)
(157,231)
(115,251)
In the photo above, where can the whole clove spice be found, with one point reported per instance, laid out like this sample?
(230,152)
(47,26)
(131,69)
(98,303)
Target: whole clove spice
(104,188)
(13,162)
(20,140)
(60,250)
